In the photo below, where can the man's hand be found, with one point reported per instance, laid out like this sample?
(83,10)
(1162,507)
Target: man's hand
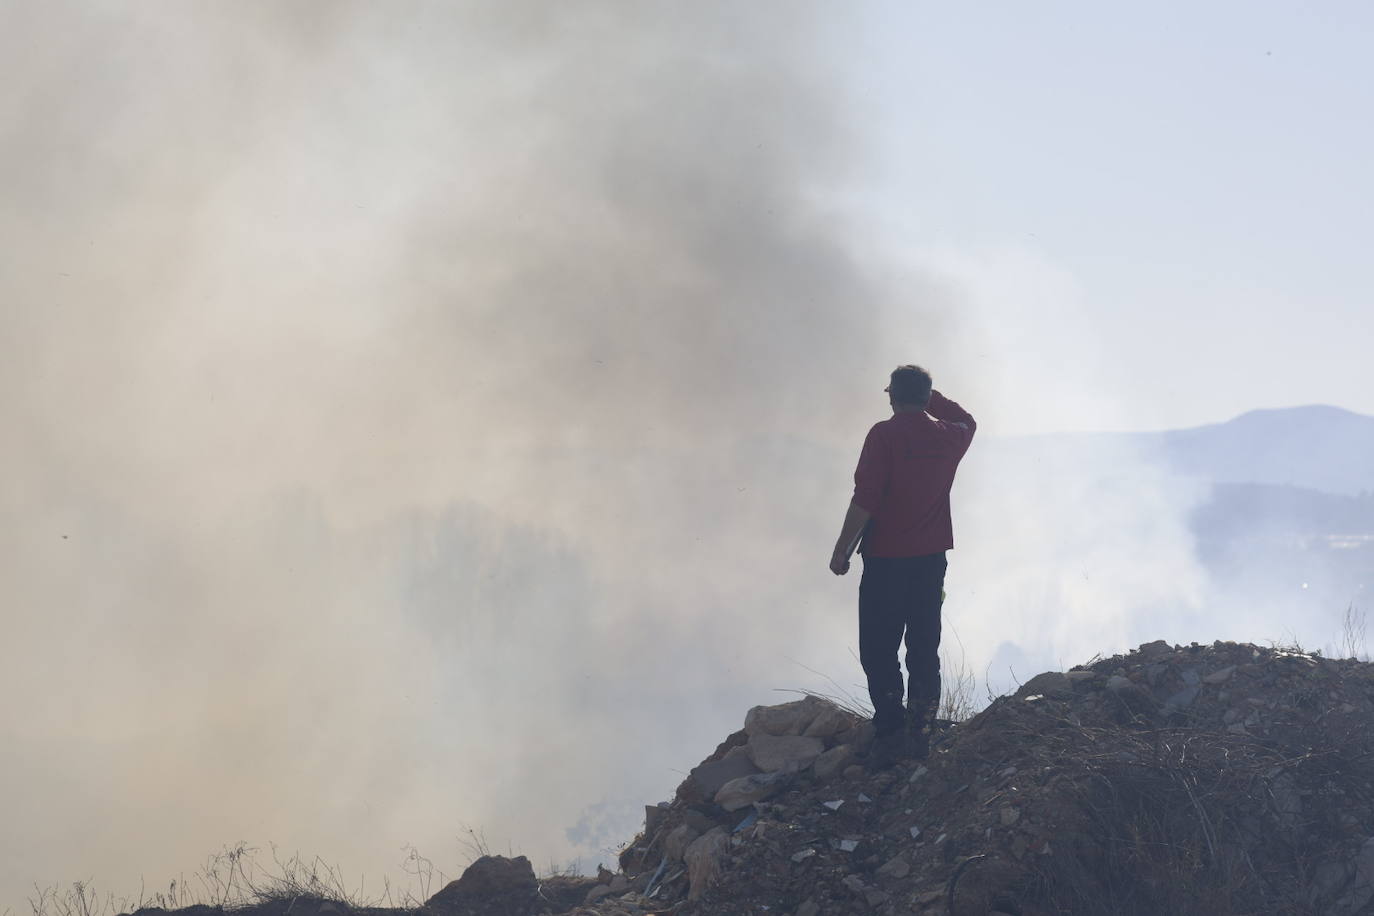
(854,521)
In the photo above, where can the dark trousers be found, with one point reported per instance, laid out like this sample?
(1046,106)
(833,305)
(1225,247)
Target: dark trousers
(901,596)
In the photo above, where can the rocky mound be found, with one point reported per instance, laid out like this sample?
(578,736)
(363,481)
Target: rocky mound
(1172,780)
(1201,779)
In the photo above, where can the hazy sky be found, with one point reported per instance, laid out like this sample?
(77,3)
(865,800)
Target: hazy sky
(432,415)
(1167,198)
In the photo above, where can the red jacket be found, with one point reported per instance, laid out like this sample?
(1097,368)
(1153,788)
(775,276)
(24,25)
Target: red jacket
(904,476)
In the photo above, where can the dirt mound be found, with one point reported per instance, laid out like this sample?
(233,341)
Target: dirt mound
(1218,779)
(1182,780)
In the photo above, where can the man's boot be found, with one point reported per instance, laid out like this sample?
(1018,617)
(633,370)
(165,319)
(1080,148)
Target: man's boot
(890,741)
(918,724)
(886,750)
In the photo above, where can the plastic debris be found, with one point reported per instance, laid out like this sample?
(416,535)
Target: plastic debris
(748,821)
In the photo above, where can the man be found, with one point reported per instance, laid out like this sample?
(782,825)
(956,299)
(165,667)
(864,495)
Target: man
(901,510)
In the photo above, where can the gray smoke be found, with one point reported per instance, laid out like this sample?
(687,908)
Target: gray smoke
(420,417)
(434,416)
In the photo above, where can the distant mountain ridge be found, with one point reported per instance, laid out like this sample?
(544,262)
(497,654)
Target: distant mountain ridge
(1318,447)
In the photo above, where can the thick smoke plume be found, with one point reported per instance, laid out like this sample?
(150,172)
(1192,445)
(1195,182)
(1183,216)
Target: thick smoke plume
(415,416)
(434,416)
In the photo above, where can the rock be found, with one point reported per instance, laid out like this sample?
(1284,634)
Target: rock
(773,753)
(1081,677)
(703,861)
(809,908)
(829,722)
(620,884)
(707,778)
(785,718)
(833,761)
(859,736)
(490,885)
(676,842)
(702,821)
(1362,890)
(1183,698)
(746,790)
(653,817)
(596,893)
(1048,684)
(895,867)
(1328,879)
(1220,676)
(853,771)
(1155,649)
(739,750)
(1134,698)
(855,884)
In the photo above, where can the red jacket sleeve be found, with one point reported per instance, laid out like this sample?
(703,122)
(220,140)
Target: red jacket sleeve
(875,467)
(942,408)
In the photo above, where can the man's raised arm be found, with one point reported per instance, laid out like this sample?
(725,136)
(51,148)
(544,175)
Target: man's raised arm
(942,408)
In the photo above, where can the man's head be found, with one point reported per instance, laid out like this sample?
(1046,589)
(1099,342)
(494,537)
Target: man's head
(910,387)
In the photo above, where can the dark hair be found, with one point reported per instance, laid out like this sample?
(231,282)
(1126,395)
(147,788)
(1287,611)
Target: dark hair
(910,385)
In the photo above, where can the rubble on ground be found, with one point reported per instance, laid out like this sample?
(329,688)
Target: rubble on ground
(1200,779)
(1226,778)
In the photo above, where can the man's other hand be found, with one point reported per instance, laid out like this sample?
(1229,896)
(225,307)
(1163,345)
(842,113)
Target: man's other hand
(839,565)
